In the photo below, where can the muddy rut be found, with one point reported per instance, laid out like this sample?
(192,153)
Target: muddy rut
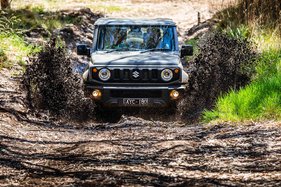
(38,151)
(136,152)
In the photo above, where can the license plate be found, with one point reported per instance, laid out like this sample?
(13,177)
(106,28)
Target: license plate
(135,102)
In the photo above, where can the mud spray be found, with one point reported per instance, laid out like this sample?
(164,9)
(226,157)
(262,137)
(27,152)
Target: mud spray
(223,63)
(52,85)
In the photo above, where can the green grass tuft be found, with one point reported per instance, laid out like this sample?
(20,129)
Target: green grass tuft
(241,32)
(14,50)
(258,101)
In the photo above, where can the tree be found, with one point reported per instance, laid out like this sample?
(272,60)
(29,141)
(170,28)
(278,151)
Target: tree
(5,4)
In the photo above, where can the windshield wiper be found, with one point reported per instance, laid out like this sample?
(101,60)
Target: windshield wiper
(154,49)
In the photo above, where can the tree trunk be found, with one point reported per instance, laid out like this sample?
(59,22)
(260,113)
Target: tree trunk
(5,4)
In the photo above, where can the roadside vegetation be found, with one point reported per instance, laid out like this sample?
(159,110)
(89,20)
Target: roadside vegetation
(258,22)
(14,51)
(13,48)
(17,25)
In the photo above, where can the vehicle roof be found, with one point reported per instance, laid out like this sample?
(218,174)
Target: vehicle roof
(124,21)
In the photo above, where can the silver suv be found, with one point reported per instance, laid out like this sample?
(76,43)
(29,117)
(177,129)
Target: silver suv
(135,62)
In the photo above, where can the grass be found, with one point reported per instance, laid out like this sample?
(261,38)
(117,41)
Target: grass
(257,21)
(259,100)
(107,8)
(194,43)
(14,50)
(104,6)
(14,23)
(253,13)
(35,17)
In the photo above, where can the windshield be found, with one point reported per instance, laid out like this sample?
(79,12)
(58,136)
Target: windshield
(135,38)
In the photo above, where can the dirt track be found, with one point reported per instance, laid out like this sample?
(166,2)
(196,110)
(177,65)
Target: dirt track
(37,151)
(133,152)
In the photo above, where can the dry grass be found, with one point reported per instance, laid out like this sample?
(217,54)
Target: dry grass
(254,13)
(264,12)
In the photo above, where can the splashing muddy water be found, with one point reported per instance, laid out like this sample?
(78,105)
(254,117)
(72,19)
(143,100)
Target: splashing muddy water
(53,86)
(223,63)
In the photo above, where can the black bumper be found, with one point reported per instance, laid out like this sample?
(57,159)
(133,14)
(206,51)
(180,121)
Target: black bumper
(158,96)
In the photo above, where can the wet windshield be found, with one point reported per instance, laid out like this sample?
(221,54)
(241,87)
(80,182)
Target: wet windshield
(135,38)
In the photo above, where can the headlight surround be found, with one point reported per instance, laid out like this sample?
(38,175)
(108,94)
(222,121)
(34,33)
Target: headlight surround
(167,75)
(104,74)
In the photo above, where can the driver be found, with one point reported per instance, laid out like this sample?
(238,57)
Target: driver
(153,37)
(120,37)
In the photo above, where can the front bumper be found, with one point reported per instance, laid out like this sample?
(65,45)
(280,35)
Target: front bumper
(158,96)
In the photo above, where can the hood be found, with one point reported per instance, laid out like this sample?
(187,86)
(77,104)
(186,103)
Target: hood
(135,58)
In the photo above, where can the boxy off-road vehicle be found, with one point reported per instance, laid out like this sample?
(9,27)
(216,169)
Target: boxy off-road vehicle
(135,62)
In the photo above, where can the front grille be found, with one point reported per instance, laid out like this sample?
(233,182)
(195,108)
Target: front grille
(135,75)
(136,93)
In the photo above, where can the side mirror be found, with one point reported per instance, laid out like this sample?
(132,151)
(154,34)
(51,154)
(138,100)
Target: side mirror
(83,49)
(186,50)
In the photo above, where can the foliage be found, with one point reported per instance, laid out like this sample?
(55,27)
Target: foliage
(253,13)
(32,17)
(240,32)
(4,63)
(257,101)
(16,24)
(258,22)
(8,24)
(14,50)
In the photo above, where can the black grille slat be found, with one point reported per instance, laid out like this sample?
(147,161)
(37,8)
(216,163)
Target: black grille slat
(126,74)
(116,74)
(145,74)
(154,74)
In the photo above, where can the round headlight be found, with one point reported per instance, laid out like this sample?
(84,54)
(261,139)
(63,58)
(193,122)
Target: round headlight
(104,74)
(167,75)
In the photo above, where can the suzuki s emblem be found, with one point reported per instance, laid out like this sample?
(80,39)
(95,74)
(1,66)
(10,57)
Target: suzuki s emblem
(136,74)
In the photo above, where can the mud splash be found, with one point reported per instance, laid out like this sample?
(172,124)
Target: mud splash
(223,63)
(53,86)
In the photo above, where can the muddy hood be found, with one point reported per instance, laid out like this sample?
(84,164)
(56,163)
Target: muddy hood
(135,58)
